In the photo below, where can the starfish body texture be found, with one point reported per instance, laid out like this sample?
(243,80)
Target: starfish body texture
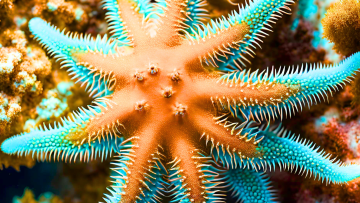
(179,128)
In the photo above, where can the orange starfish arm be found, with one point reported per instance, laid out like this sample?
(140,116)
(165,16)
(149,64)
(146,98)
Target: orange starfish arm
(110,66)
(208,48)
(119,116)
(145,146)
(243,92)
(218,135)
(182,152)
(242,97)
(133,22)
(168,30)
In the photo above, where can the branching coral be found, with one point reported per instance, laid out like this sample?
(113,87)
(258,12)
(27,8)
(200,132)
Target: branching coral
(21,68)
(52,106)
(155,98)
(63,13)
(25,69)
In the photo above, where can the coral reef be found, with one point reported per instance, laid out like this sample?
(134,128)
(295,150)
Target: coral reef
(6,9)
(28,197)
(23,68)
(166,80)
(312,11)
(15,162)
(52,106)
(341,26)
(88,181)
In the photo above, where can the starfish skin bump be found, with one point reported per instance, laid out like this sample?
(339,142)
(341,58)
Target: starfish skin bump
(179,128)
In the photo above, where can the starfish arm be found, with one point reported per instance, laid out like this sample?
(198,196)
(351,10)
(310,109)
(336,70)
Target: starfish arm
(267,95)
(208,174)
(154,184)
(133,15)
(193,14)
(133,166)
(170,22)
(121,115)
(57,142)
(215,134)
(116,24)
(288,152)
(100,124)
(252,21)
(258,15)
(115,69)
(159,7)
(212,41)
(293,152)
(66,46)
(196,14)
(185,172)
(247,185)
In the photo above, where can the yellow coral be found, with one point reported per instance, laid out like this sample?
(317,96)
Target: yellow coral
(28,197)
(36,62)
(21,66)
(342,26)
(6,8)
(9,58)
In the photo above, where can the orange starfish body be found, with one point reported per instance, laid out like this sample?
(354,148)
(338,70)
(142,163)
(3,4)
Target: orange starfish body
(156,99)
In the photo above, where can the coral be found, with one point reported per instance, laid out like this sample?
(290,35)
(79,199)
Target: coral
(347,193)
(171,99)
(28,197)
(67,11)
(355,90)
(15,162)
(22,68)
(343,142)
(295,46)
(312,11)
(74,14)
(52,106)
(341,26)
(9,108)
(6,9)
(89,181)
(342,138)
(25,69)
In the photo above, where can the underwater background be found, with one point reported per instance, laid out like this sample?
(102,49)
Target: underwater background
(33,90)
